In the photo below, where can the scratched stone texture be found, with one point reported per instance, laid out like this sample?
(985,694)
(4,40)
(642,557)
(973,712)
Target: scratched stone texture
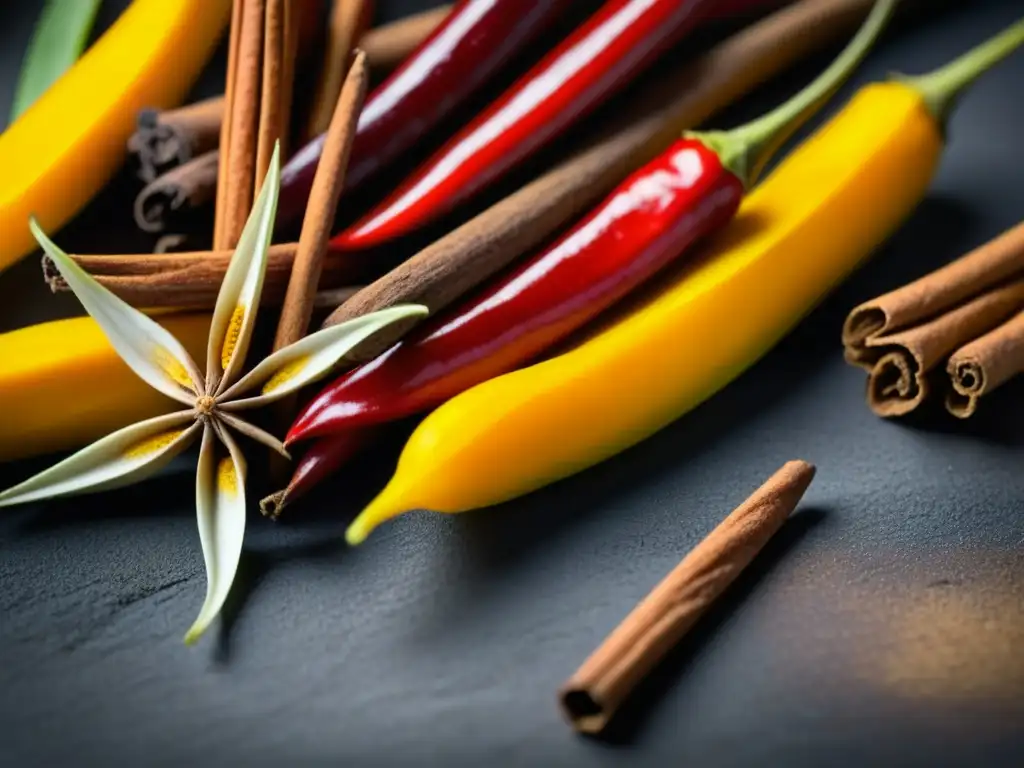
(883,626)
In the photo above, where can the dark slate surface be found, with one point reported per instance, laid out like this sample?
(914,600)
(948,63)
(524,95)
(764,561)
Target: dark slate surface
(883,626)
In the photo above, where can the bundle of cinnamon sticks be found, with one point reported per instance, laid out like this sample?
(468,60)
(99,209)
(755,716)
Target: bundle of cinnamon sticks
(176,152)
(958,331)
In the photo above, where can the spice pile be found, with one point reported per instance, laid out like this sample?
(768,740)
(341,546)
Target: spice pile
(257,181)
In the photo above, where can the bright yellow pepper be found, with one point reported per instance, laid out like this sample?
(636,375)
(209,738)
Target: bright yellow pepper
(62,385)
(61,151)
(797,235)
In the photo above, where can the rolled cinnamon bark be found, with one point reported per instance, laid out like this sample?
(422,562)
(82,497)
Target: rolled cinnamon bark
(985,267)
(899,380)
(194,278)
(171,200)
(593,694)
(984,365)
(165,140)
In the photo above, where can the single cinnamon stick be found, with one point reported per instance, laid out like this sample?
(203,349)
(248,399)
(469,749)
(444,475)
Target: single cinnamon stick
(165,140)
(231,75)
(174,199)
(592,695)
(983,268)
(458,262)
(984,365)
(270,121)
(160,280)
(348,21)
(323,202)
(197,287)
(293,31)
(899,381)
(389,45)
(240,142)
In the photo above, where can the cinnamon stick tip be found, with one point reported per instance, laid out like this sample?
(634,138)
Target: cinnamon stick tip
(862,323)
(893,385)
(147,118)
(584,713)
(796,474)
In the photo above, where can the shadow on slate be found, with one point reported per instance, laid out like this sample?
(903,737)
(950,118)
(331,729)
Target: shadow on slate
(668,677)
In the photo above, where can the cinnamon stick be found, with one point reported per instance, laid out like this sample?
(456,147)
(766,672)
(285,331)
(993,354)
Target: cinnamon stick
(239,134)
(234,41)
(323,202)
(197,287)
(348,21)
(984,365)
(163,280)
(463,259)
(293,31)
(983,268)
(594,693)
(270,121)
(899,380)
(165,140)
(389,45)
(176,198)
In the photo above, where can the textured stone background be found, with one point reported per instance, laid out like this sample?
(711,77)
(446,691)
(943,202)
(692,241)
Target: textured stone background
(884,625)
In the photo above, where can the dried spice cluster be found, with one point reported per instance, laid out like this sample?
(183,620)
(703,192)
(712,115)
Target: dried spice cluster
(213,401)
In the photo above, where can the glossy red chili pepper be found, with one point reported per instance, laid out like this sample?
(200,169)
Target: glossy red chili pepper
(321,460)
(655,215)
(477,39)
(591,64)
(650,219)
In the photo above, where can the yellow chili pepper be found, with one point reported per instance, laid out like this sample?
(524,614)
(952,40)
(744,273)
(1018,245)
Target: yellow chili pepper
(63,149)
(802,231)
(62,385)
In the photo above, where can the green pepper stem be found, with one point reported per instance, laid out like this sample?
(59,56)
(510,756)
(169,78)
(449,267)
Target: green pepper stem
(941,89)
(744,151)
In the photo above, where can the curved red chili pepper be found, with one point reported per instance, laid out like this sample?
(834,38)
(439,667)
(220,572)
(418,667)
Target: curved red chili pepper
(651,218)
(657,213)
(321,460)
(600,57)
(654,216)
(476,40)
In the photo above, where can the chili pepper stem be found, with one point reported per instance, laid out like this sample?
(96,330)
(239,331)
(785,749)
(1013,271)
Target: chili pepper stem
(745,151)
(941,88)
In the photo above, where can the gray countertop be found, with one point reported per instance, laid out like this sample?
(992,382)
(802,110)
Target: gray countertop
(883,626)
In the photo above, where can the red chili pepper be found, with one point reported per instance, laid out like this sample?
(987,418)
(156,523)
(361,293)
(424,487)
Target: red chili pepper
(656,214)
(322,459)
(477,39)
(600,57)
(653,217)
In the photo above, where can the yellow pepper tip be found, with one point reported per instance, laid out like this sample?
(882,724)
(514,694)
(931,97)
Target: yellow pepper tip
(384,507)
(358,531)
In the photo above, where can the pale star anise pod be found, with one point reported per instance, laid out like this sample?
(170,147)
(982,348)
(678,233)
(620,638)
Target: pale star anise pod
(213,402)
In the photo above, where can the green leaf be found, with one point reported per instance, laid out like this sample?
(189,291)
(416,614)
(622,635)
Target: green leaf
(58,40)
